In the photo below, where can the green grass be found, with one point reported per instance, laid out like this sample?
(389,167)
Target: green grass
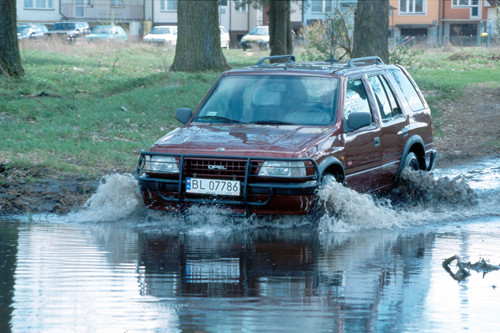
(448,73)
(90,109)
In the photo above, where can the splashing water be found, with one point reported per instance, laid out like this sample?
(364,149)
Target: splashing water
(116,197)
(344,209)
(424,188)
(420,198)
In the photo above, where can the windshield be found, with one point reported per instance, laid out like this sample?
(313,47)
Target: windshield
(162,31)
(63,26)
(259,31)
(271,99)
(102,30)
(23,28)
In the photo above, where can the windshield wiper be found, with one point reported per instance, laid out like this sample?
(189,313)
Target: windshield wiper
(220,119)
(272,122)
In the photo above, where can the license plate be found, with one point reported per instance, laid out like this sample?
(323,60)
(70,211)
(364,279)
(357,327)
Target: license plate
(213,186)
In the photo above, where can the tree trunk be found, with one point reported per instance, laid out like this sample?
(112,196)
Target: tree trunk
(280,32)
(10,59)
(198,37)
(371,29)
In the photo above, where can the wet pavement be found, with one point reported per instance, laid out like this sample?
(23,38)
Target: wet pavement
(365,265)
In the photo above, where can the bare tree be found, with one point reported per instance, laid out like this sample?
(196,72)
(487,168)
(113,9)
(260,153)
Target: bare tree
(198,38)
(371,29)
(10,59)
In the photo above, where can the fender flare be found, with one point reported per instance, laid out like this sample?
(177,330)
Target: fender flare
(327,163)
(415,139)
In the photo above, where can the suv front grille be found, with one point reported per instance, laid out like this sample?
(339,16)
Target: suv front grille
(218,168)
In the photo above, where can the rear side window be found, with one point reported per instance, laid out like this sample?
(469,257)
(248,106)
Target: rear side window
(407,89)
(385,99)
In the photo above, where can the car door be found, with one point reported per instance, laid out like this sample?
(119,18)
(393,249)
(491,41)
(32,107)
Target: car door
(363,152)
(394,131)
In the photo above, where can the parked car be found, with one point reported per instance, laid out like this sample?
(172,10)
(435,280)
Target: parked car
(162,34)
(69,31)
(224,37)
(31,31)
(257,37)
(107,33)
(265,138)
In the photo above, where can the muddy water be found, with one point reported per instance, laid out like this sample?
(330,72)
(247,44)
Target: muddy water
(364,265)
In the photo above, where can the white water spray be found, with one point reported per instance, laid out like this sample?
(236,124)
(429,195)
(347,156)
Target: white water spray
(116,197)
(421,198)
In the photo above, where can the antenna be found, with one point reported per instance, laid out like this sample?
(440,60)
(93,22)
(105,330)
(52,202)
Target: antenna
(332,57)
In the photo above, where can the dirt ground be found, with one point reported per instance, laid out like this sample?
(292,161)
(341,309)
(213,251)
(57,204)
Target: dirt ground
(471,127)
(470,131)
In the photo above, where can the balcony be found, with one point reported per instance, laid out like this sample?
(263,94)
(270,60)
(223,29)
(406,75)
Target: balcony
(102,12)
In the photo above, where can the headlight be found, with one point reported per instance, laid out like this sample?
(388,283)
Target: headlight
(166,164)
(282,169)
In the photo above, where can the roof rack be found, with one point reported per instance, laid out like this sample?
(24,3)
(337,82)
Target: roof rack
(362,61)
(290,59)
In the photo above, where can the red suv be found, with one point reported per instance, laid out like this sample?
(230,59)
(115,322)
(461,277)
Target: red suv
(264,137)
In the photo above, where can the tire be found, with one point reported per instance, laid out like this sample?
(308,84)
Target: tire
(411,161)
(329,177)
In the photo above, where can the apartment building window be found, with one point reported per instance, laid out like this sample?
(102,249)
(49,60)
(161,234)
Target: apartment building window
(321,6)
(462,3)
(116,3)
(240,6)
(412,7)
(39,4)
(472,4)
(168,5)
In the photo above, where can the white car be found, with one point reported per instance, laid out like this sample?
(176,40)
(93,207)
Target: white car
(258,37)
(224,37)
(162,34)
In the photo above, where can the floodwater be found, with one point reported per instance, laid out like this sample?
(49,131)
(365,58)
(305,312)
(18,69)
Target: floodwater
(363,265)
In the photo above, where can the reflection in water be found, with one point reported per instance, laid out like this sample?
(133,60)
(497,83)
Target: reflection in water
(8,252)
(360,283)
(117,277)
(64,281)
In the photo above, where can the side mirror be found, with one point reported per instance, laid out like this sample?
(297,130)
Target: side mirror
(357,120)
(183,115)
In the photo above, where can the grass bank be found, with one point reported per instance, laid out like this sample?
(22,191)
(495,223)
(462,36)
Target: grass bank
(90,109)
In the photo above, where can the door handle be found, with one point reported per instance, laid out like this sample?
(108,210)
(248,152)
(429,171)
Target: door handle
(376,141)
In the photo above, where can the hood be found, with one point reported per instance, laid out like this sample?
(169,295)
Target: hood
(159,36)
(255,38)
(242,139)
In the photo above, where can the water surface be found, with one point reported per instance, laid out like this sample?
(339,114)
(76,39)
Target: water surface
(365,265)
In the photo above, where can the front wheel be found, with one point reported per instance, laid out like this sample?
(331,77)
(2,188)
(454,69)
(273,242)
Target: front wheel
(411,161)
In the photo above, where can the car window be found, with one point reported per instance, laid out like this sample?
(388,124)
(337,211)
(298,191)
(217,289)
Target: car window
(102,30)
(301,100)
(63,26)
(407,89)
(355,101)
(384,97)
(259,31)
(160,31)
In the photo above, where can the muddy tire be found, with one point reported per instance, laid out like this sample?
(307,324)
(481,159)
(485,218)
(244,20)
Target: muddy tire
(411,161)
